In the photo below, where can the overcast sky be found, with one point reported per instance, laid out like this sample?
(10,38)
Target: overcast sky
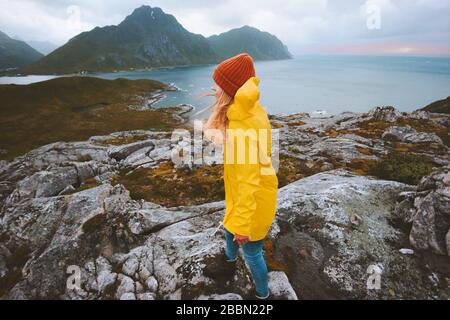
(342,26)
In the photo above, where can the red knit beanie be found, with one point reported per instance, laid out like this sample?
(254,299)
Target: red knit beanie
(232,73)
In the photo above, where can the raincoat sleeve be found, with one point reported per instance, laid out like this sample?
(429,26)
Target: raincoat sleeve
(248,178)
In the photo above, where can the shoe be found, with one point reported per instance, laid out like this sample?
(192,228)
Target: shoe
(258,297)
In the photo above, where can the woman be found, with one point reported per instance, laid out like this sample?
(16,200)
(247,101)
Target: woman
(251,184)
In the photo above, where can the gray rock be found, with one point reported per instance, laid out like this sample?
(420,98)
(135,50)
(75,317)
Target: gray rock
(419,115)
(227,296)
(146,296)
(314,215)
(149,157)
(55,154)
(145,221)
(396,133)
(428,210)
(327,167)
(60,229)
(106,279)
(139,288)
(409,135)
(128,296)
(404,206)
(131,266)
(123,151)
(67,190)
(334,197)
(406,251)
(44,184)
(446,179)
(447,241)
(279,286)
(389,114)
(152,284)
(176,295)
(341,148)
(126,285)
(358,139)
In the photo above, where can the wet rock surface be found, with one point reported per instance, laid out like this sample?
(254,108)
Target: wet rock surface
(337,234)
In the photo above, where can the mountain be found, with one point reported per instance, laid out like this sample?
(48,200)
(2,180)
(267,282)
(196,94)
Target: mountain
(44,47)
(260,45)
(146,38)
(150,38)
(441,106)
(15,53)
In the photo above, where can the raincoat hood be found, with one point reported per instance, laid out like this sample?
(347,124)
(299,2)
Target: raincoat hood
(245,100)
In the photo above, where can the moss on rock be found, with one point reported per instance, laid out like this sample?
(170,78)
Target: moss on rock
(402,167)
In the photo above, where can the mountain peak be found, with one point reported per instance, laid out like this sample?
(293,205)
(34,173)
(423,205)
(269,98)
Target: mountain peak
(247,27)
(259,44)
(145,9)
(149,18)
(146,12)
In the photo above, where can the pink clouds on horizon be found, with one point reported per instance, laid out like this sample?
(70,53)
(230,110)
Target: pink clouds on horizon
(382,48)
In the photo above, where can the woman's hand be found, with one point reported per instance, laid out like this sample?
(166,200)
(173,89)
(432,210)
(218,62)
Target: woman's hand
(241,240)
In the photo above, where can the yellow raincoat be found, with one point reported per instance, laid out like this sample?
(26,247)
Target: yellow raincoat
(251,183)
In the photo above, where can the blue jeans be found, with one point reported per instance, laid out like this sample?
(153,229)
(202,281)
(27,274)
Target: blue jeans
(253,254)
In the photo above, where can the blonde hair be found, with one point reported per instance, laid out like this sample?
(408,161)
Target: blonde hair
(218,119)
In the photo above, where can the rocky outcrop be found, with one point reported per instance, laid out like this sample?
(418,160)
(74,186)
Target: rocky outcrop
(90,231)
(388,114)
(121,248)
(409,135)
(68,230)
(127,249)
(334,228)
(280,287)
(352,139)
(122,152)
(428,210)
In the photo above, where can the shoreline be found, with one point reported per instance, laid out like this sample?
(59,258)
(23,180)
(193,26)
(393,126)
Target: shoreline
(169,67)
(6,73)
(375,82)
(172,87)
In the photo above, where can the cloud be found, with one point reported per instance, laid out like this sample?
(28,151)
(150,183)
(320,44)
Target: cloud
(302,24)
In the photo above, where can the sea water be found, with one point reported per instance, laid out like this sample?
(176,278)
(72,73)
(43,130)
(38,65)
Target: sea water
(308,83)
